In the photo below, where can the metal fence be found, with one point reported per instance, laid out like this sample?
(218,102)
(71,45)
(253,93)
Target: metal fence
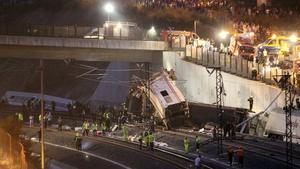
(12,152)
(235,64)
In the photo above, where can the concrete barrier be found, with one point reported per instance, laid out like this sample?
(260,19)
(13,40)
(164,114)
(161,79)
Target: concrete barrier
(198,86)
(83,43)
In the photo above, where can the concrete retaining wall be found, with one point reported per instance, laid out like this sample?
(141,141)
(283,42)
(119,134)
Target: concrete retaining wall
(196,84)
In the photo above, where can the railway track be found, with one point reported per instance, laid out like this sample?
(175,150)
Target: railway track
(177,160)
(259,146)
(266,152)
(264,148)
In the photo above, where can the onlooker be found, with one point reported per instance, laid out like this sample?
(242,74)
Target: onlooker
(31,120)
(250,100)
(59,121)
(254,74)
(240,155)
(198,162)
(230,154)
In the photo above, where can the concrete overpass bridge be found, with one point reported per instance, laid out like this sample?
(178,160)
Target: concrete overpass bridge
(158,55)
(30,47)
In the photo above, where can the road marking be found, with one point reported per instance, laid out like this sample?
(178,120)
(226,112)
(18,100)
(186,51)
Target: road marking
(89,154)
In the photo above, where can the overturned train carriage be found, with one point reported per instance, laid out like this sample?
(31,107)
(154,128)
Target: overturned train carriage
(169,104)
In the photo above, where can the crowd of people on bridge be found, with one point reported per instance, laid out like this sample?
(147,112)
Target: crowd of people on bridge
(243,17)
(199,5)
(235,9)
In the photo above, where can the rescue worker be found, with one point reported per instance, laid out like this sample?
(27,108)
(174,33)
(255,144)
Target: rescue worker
(151,141)
(240,155)
(20,117)
(49,118)
(85,127)
(59,121)
(230,154)
(265,53)
(147,140)
(103,128)
(250,100)
(198,162)
(95,128)
(198,141)
(186,144)
(125,132)
(140,139)
(31,121)
(40,118)
(78,141)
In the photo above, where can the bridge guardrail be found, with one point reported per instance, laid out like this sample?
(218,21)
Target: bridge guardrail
(73,31)
(237,65)
(82,43)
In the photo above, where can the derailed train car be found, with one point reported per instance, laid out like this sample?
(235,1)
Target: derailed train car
(169,104)
(275,124)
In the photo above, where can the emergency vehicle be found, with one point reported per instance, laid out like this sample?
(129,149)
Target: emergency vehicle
(276,45)
(182,38)
(242,45)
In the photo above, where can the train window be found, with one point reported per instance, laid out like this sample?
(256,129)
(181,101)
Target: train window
(164,93)
(166,96)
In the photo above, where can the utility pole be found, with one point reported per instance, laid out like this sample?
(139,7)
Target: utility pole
(146,84)
(286,86)
(42,116)
(196,23)
(219,104)
(289,127)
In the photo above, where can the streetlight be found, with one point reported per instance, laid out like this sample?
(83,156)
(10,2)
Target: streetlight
(109,8)
(42,116)
(152,32)
(293,38)
(223,34)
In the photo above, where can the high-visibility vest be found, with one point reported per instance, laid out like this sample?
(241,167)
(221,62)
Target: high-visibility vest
(77,136)
(125,130)
(151,138)
(20,116)
(147,139)
(186,142)
(86,125)
(95,126)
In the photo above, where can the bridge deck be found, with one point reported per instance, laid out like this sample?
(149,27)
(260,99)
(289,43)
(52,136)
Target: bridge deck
(83,43)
